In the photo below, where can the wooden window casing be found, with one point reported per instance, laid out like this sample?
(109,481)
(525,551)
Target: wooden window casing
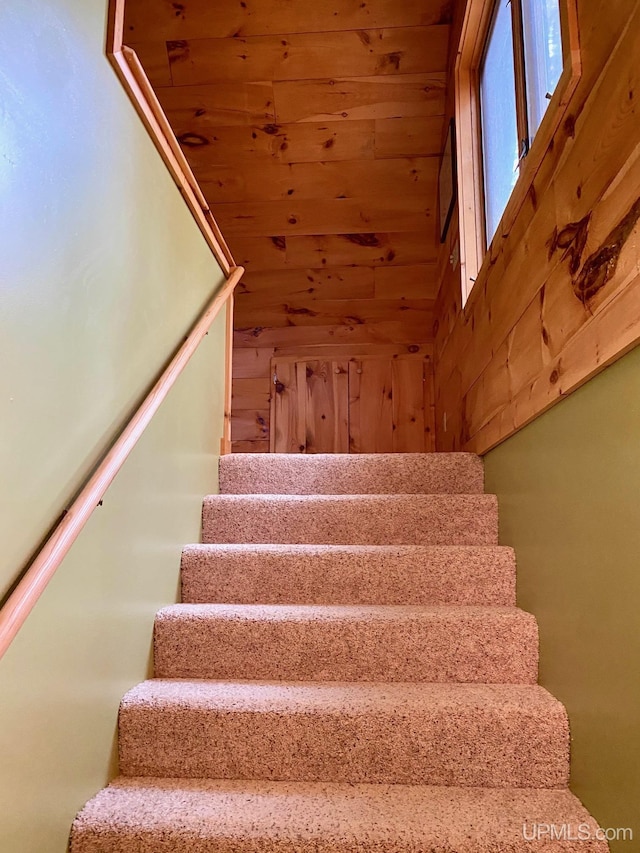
(475,27)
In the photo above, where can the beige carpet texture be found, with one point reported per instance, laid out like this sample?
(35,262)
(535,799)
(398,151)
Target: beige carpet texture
(347,671)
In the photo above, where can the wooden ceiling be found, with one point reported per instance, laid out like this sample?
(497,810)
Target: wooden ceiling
(314,130)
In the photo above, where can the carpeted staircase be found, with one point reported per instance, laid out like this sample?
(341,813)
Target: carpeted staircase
(347,672)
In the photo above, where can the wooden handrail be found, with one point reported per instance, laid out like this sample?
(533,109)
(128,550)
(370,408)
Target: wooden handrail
(28,590)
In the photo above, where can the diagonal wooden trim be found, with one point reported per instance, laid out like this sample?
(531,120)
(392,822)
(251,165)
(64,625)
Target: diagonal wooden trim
(28,590)
(136,83)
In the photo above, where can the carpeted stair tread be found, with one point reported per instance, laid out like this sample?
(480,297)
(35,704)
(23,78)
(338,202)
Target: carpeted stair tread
(437,734)
(346,643)
(348,672)
(146,815)
(351,519)
(349,474)
(349,574)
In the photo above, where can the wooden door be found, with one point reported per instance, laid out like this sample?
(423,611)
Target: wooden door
(359,405)
(310,407)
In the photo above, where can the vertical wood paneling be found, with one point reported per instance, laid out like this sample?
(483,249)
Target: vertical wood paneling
(326,410)
(371,406)
(408,405)
(287,436)
(314,131)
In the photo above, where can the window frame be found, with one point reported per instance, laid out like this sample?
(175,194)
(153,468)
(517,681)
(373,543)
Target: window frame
(478,16)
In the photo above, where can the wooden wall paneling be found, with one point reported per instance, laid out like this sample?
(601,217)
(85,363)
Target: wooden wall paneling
(416,136)
(348,98)
(371,406)
(290,336)
(226,104)
(272,287)
(418,281)
(338,352)
(332,250)
(155,60)
(533,356)
(329,312)
(429,406)
(263,253)
(330,216)
(208,146)
(407,376)
(251,362)
(249,393)
(327,405)
(395,248)
(193,18)
(288,435)
(250,425)
(340,179)
(249,446)
(315,134)
(535,331)
(296,56)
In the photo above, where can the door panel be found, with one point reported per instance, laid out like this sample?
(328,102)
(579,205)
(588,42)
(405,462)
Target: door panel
(371,406)
(357,405)
(287,426)
(408,405)
(326,409)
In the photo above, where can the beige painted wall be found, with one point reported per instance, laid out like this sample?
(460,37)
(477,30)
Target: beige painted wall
(102,270)
(569,489)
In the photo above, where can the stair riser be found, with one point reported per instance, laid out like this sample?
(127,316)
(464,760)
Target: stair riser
(251,575)
(497,650)
(476,747)
(370,520)
(358,474)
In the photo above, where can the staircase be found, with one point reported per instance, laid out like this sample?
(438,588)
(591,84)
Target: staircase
(348,671)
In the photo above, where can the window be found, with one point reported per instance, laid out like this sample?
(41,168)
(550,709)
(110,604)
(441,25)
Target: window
(517,67)
(519,72)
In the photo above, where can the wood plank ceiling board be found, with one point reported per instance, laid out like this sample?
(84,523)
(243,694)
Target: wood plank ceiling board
(348,98)
(351,53)
(315,132)
(166,20)
(241,147)
(325,180)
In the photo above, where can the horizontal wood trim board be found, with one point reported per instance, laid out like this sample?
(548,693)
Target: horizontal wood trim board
(46,562)
(146,19)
